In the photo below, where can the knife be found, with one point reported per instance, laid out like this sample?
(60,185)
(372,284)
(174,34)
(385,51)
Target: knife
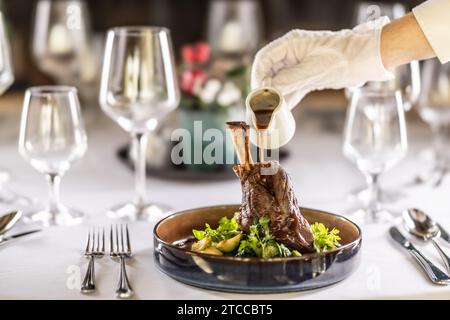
(444,234)
(17,235)
(435,274)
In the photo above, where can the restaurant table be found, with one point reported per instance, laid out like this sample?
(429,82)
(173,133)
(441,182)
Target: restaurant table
(50,264)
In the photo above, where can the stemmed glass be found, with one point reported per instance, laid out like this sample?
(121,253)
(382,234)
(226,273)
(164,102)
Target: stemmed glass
(52,137)
(61,43)
(407,77)
(138,89)
(375,140)
(6,80)
(6,70)
(434,109)
(234,28)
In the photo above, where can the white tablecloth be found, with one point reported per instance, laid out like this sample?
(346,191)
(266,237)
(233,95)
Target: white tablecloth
(49,265)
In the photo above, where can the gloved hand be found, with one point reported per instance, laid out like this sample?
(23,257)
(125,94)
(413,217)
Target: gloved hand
(302,61)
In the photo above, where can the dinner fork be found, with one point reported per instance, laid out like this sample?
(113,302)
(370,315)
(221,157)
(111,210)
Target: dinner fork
(95,248)
(123,252)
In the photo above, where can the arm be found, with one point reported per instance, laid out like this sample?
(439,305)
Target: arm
(403,41)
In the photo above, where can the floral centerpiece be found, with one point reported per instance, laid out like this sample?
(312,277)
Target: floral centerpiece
(212,92)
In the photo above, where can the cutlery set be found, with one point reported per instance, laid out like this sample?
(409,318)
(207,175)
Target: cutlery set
(119,250)
(416,222)
(424,228)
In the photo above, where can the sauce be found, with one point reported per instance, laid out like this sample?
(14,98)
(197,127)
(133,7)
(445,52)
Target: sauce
(263,104)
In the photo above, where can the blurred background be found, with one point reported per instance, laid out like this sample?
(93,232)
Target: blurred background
(188,21)
(214,41)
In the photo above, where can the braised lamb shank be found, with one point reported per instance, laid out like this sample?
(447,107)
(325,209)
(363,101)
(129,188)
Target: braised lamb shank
(267,191)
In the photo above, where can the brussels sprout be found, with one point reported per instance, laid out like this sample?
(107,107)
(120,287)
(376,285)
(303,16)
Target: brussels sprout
(295,253)
(213,251)
(229,245)
(202,244)
(270,251)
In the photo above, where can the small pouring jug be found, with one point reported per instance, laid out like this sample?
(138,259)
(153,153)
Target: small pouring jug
(267,104)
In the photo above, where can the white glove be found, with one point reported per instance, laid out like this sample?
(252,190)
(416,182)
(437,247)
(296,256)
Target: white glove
(302,61)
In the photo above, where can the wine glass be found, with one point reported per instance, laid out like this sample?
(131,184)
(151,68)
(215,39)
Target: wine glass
(375,140)
(434,109)
(61,43)
(6,70)
(52,137)
(407,77)
(7,196)
(234,28)
(138,89)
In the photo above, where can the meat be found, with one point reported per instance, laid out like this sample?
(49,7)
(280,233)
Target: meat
(267,191)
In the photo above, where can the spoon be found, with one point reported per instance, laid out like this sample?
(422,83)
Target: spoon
(8,220)
(424,227)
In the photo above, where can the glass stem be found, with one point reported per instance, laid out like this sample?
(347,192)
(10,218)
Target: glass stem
(54,181)
(140,148)
(438,145)
(374,194)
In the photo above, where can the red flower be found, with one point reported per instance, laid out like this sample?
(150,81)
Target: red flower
(196,53)
(202,52)
(192,79)
(187,53)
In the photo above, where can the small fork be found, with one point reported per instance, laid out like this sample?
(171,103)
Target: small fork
(123,252)
(95,248)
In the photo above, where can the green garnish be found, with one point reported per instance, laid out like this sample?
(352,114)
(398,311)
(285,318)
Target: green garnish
(325,239)
(227,228)
(259,242)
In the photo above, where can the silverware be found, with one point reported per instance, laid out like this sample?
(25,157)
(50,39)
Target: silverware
(18,235)
(425,228)
(434,273)
(441,178)
(8,221)
(444,234)
(95,248)
(123,252)
(434,178)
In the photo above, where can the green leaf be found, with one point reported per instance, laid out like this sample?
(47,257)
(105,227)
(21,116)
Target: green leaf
(237,71)
(325,239)
(227,228)
(199,234)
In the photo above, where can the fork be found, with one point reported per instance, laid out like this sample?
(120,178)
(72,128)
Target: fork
(123,252)
(95,248)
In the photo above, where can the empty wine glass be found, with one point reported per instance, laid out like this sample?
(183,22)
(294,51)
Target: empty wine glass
(407,77)
(138,89)
(61,43)
(434,109)
(52,137)
(6,70)
(234,27)
(375,140)
(7,196)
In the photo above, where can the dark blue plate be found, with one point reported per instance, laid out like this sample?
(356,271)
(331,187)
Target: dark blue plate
(173,234)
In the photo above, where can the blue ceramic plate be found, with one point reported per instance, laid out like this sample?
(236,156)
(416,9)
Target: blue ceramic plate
(173,234)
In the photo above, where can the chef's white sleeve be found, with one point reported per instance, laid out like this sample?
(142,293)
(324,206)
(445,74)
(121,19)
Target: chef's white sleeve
(433,17)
